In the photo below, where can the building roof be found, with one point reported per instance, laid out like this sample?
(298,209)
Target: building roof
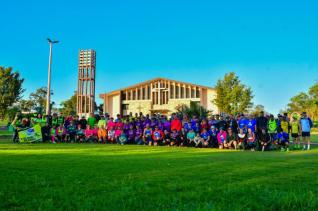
(149,81)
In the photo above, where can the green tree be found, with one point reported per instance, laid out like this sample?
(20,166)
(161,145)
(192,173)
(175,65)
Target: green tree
(39,99)
(233,96)
(193,109)
(26,105)
(10,89)
(69,106)
(307,102)
(257,109)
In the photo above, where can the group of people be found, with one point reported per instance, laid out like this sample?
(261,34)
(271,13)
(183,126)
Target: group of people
(217,131)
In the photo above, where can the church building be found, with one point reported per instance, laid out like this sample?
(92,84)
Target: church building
(159,95)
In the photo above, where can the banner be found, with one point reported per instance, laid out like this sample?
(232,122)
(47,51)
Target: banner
(29,135)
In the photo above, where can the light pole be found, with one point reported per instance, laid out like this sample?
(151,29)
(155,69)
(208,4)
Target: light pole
(48,95)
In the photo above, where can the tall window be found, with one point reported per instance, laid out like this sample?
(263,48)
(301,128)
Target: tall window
(187,92)
(198,93)
(171,91)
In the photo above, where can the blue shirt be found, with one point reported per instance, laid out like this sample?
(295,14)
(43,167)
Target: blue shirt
(205,136)
(251,124)
(305,125)
(283,136)
(242,123)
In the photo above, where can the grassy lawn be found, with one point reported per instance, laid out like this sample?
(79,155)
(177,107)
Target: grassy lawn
(111,177)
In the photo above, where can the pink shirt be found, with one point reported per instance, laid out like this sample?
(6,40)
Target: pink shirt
(221,137)
(95,132)
(117,133)
(111,124)
(89,132)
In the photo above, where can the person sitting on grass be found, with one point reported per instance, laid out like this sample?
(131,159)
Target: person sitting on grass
(139,136)
(213,134)
(80,134)
(264,140)
(70,132)
(175,138)
(166,138)
(147,135)
(251,143)
(197,141)
(183,137)
(117,133)
(130,134)
(222,135)
(241,139)
(231,139)
(111,135)
(122,139)
(61,133)
(205,135)
(190,137)
(102,134)
(95,132)
(283,141)
(89,135)
(157,136)
(295,131)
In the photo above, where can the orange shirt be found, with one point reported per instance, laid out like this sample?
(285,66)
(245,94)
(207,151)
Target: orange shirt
(102,133)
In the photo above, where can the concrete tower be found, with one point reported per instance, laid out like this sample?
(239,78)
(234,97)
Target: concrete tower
(86,82)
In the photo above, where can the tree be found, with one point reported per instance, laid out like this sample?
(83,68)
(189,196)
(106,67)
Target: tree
(69,106)
(194,109)
(307,102)
(10,88)
(233,96)
(257,109)
(26,105)
(100,109)
(39,99)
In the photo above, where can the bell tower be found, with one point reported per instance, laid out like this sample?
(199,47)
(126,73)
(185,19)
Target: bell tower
(86,82)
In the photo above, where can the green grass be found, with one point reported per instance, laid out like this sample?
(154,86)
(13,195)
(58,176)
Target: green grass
(111,177)
(5,132)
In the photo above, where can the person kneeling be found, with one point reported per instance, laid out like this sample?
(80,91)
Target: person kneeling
(175,138)
(241,139)
(283,141)
(198,141)
(221,138)
(206,138)
(231,140)
(122,138)
(157,136)
(89,135)
(251,140)
(190,137)
(264,140)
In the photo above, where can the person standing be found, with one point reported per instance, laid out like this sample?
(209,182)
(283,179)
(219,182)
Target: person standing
(261,123)
(176,123)
(306,125)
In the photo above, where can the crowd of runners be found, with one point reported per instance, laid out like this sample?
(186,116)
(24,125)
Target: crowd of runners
(245,132)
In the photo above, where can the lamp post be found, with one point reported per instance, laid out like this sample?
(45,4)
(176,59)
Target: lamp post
(48,95)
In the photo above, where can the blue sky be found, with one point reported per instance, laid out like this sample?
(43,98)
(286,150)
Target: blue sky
(271,45)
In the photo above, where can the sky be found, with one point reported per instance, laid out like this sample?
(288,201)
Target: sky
(271,45)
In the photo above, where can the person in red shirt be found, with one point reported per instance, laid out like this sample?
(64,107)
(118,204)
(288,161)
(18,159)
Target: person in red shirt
(176,124)
(157,136)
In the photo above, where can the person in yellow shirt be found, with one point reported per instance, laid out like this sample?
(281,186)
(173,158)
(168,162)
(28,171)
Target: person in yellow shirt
(295,131)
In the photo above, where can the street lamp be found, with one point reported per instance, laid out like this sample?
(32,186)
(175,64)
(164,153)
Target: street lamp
(48,95)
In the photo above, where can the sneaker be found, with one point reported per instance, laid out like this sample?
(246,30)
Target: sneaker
(287,150)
